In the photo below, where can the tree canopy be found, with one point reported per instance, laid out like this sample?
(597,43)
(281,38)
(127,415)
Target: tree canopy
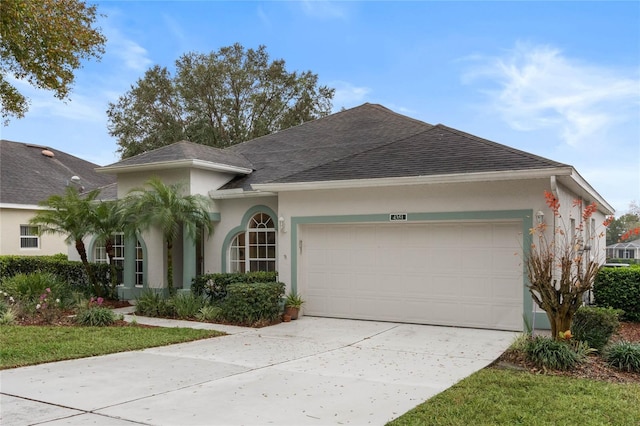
(44,42)
(216,99)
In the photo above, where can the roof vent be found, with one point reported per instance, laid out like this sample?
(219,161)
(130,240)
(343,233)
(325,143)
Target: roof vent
(48,153)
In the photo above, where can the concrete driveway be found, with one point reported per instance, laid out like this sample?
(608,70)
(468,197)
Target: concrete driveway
(313,371)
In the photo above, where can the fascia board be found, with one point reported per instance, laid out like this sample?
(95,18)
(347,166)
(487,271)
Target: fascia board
(164,165)
(416,180)
(226,194)
(22,206)
(587,190)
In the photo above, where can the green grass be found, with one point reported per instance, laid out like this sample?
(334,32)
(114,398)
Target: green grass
(501,397)
(28,345)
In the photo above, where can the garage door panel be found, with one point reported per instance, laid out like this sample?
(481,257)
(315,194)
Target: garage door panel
(466,274)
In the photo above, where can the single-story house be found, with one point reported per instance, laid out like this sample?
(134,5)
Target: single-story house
(368,214)
(627,250)
(30,174)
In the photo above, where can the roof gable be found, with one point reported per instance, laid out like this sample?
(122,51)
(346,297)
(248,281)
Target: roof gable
(30,173)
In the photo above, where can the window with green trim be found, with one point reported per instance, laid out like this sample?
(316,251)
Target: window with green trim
(255,248)
(100,256)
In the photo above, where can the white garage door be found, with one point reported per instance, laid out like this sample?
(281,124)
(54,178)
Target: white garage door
(462,274)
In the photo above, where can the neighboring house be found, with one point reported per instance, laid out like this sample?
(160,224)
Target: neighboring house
(368,214)
(628,250)
(30,174)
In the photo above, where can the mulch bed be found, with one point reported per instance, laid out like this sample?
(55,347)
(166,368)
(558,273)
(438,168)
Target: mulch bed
(594,368)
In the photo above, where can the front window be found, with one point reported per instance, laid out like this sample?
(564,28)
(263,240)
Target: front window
(254,249)
(29,237)
(100,256)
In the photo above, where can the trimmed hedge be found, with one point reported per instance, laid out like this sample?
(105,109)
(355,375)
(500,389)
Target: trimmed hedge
(214,286)
(619,288)
(253,304)
(71,272)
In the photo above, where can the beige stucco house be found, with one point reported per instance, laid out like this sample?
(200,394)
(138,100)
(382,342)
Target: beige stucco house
(368,214)
(30,174)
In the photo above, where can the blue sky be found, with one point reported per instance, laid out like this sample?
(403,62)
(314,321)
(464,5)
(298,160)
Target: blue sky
(557,79)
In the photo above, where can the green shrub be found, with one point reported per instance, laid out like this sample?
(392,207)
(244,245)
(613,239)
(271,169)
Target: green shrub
(187,305)
(29,288)
(152,304)
(595,325)
(253,304)
(214,286)
(209,313)
(96,317)
(71,272)
(624,356)
(619,288)
(549,353)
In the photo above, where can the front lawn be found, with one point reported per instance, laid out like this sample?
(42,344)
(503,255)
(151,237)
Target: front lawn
(28,345)
(504,397)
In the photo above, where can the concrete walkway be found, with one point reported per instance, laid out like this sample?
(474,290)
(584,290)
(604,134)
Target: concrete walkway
(313,371)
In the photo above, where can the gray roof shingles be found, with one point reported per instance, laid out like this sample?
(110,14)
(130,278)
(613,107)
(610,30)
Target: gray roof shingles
(315,143)
(185,150)
(439,150)
(371,141)
(28,177)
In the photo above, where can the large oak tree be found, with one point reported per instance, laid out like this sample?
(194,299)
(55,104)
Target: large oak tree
(217,99)
(44,42)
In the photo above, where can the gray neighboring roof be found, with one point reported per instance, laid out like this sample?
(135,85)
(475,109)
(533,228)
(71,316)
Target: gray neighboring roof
(27,176)
(635,244)
(185,150)
(328,139)
(439,150)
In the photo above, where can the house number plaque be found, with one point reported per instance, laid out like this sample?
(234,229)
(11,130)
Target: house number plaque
(398,217)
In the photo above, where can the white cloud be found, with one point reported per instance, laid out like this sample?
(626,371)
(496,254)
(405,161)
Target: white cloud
(134,56)
(77,107)
(347,95)
(539,87)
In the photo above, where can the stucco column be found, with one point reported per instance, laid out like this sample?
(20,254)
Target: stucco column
(126,292)
(188,260)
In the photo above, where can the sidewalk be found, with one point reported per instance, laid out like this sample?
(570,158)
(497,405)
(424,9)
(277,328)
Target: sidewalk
(130,316)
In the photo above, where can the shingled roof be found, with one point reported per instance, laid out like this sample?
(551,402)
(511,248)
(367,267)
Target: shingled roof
(185,150)
(370,142)
(32,173)
(439,150)
(333,138)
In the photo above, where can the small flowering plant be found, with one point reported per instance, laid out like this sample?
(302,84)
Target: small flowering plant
(95,302)
(48,306)
(560,265)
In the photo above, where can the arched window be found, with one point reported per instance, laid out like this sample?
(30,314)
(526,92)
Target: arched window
(255,248)
(100,256)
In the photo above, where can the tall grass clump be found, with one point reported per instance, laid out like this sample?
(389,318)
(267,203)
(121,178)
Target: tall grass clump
(152,304)
(623,356)
(554,354)
(187,305)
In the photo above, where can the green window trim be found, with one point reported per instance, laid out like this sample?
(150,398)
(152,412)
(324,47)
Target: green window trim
(244,223)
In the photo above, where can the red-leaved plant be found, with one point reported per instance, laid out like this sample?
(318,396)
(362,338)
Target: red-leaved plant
(561,269)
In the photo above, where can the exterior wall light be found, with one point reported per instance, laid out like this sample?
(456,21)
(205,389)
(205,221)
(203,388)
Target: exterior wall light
(281,224)
(540,217)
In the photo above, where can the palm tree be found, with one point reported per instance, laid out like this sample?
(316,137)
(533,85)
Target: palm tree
(167,208)
(70,214)
(107,219)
